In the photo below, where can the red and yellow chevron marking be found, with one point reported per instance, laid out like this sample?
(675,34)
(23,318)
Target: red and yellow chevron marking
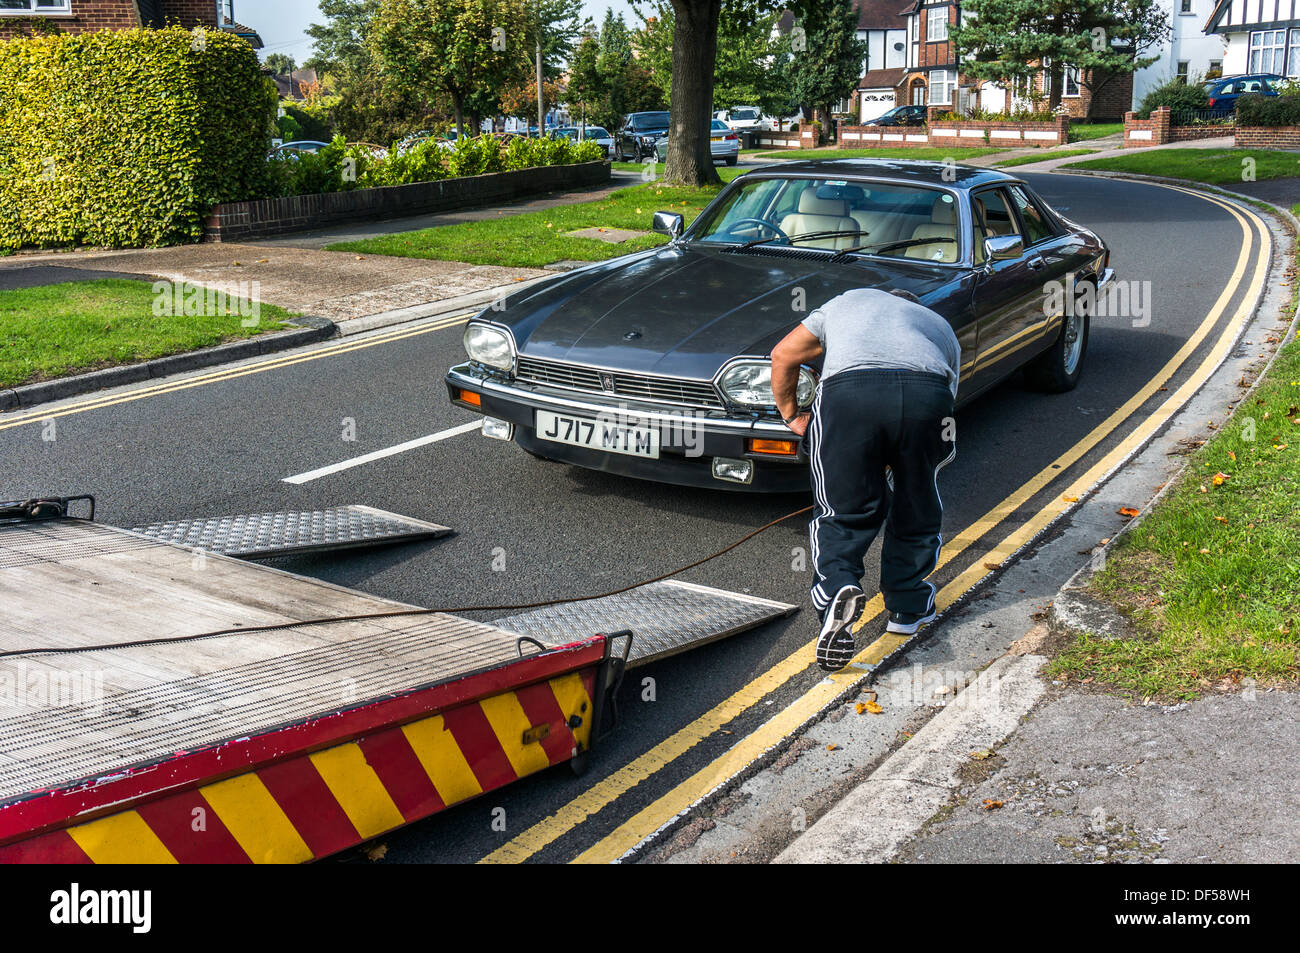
(312,805)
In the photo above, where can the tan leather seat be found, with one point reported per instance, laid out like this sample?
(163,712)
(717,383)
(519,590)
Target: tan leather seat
(943,224)
(821,215)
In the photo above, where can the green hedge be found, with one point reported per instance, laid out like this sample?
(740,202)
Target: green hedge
(1254,109)
(1176,94)
(127,138)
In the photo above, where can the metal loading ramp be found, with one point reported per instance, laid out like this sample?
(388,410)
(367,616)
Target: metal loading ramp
(665,618)
(266,535)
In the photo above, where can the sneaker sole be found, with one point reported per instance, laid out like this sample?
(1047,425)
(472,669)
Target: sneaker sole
(830,656)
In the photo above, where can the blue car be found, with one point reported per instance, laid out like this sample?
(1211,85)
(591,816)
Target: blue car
(1223,93)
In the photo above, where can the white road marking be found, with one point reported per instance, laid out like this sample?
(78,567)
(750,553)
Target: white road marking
(380,454)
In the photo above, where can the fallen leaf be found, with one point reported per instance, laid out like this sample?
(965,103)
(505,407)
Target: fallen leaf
(1129,512)
(1203,489)
(991,805)
(832,747)
(982,755)
(1205,552)
(377,852)
(1070,499)
(1221,478)
(992,566)
(1232,456)
(869,708)
(1222,519)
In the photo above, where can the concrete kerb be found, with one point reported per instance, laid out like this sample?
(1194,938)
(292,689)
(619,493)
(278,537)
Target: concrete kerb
(310,331)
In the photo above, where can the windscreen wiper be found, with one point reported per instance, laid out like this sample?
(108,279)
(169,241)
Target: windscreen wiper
(806,237)
(887,246)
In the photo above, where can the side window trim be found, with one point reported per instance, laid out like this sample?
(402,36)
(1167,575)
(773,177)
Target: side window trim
(1024,226)
(1011,208)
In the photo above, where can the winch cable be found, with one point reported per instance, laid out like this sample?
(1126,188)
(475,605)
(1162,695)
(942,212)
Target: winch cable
(70,650)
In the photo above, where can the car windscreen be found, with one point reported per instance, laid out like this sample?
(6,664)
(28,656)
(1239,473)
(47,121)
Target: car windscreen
(720,126)
(892,220)
(650,121)
(744,114)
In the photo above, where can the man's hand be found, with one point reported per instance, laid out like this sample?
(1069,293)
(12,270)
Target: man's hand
(800,424)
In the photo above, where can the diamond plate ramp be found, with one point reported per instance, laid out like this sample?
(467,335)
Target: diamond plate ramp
(264,535)
(665,618)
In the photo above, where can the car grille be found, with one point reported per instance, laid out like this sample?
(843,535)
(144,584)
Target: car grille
(666,390)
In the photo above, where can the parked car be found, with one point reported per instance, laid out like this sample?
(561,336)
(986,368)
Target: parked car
(640,133)
(724,144)
(656,365)
(900,116)
(742,118)
(1223,93)
(595,134)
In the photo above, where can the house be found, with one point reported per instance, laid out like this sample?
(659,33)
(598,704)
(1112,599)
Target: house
(1261,37)
(883,25)
(295,85)
(911,61)
(21,17)
(1189,53)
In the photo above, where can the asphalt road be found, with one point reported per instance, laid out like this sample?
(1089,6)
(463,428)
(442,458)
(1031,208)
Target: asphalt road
(225,447)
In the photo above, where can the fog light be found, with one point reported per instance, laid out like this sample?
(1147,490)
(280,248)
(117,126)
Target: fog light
(733,471)
(469,397)
(498,429)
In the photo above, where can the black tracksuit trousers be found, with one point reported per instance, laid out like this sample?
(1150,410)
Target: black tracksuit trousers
(863,421)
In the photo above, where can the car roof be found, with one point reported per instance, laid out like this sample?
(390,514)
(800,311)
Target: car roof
(911,171)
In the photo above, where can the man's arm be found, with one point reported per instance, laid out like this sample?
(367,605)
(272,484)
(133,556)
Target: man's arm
(799,347)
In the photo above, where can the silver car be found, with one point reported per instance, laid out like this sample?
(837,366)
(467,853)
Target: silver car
(723,144)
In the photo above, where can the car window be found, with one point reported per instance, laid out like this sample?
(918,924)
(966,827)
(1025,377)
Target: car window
(1037,228)
(993,219)
(720,126)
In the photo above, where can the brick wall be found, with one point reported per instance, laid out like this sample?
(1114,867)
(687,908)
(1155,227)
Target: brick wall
(1268,137)
(1159,130)
(86,16)
(238,221)
(777,140)
(956,135)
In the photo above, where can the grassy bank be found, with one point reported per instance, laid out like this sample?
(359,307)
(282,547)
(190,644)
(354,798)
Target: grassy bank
(1211,578)
(1212,166)
(56,330)
(536,239)
(1085,132)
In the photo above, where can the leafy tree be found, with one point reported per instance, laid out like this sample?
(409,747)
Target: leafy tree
(280,64)
(464,50)
(615,43)
(1008,40)
(828,66)
(340,43)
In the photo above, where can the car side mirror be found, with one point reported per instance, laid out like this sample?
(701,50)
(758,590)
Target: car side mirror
(669,223)
(1004,247)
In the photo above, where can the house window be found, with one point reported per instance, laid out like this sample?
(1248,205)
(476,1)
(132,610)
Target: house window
(1071,81)
(1186,7)
(225,12)
(1268,51)
(1216,68)
(936,27)
(1293,56)
(1184,68)
(942,83)
(34,6)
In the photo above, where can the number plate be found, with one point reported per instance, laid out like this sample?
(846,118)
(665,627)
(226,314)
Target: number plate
(615,435)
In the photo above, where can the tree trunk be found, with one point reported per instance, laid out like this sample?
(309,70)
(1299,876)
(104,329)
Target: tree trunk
(1057,79)
(458,103)
(695,49)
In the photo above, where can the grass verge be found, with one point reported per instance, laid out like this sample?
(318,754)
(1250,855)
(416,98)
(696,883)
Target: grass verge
(1098,130)
(1210,580)
(1211,166)
(1043,157)
(536,239)
(55,330)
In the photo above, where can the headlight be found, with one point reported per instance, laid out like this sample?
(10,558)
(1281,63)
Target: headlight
(490,346)
(749,384)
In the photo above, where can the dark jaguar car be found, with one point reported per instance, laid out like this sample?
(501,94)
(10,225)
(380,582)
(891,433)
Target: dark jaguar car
(656,365)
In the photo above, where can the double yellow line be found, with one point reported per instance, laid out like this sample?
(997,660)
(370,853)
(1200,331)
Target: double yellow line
(662,811)
(171,385)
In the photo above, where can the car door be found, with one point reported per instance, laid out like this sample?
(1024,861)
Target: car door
(1008,297)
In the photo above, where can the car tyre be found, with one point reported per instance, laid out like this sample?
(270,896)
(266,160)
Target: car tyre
(1059,368)
(732,160)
